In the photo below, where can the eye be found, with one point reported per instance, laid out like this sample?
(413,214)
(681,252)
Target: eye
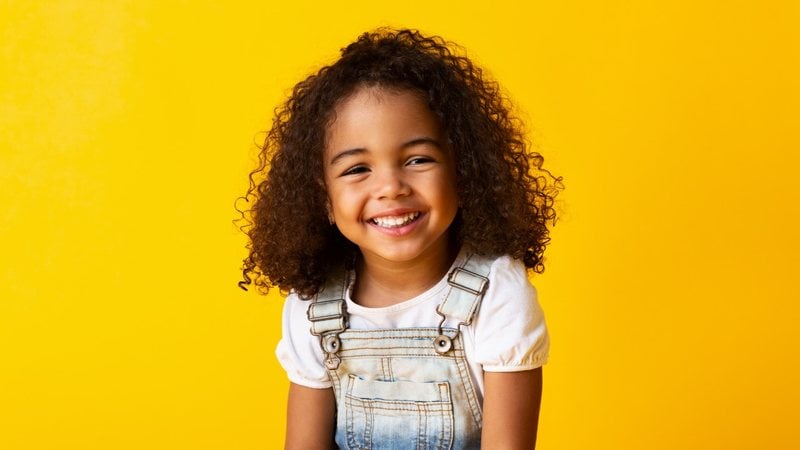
(417,160)
(355,170)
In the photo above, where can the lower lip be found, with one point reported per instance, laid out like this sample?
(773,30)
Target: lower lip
(399,231)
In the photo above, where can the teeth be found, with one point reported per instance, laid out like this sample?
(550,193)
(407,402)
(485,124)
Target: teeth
(395,221)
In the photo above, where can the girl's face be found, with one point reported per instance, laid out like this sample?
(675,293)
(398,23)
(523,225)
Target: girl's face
(390,177)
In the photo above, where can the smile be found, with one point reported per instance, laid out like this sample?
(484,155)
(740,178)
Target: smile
(395,221)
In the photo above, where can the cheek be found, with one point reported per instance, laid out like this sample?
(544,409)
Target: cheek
(448,191)
(343,202)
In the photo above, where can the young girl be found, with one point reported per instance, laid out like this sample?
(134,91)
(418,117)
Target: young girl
(398,205)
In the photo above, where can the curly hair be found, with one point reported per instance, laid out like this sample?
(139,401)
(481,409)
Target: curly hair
(506,196)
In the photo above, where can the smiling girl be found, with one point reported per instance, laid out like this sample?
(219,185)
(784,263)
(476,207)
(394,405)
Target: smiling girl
(401,210)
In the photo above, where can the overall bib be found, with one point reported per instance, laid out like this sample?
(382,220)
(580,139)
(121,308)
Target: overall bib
(406,388)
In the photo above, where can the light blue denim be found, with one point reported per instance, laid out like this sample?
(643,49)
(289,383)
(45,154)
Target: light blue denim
(394,389)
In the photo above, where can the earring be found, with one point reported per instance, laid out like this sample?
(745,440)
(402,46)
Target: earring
(328,208)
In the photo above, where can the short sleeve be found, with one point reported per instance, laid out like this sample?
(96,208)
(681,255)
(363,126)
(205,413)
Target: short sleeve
(298,350)
(510,334)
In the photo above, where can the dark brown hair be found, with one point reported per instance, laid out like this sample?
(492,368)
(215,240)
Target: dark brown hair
(506,196)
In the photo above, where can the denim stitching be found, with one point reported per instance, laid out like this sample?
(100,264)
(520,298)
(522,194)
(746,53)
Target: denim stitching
(439,411)
(387,351)
(370,425)
(421,428)
(469,390)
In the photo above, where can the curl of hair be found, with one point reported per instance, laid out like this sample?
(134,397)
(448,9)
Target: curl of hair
(506,196)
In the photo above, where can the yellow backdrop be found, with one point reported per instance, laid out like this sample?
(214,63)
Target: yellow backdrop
(127,129)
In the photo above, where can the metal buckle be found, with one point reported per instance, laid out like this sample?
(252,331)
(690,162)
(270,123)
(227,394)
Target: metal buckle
(340,309)
(451,279)
(444,343)
(341,313)
(329,338)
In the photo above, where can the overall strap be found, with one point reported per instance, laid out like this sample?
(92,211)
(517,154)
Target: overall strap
(328,316)
(468,282)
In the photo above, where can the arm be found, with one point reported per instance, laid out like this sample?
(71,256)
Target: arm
(511,409)
(310,418)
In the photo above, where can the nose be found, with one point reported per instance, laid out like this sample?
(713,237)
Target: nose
(390,184)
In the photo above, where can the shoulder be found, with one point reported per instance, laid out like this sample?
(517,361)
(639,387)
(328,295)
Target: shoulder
(510,331)
(509,285)
(295,312)
(507,278)
(505,275)
(299,351)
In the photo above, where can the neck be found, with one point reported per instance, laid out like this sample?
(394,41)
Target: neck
(384,283)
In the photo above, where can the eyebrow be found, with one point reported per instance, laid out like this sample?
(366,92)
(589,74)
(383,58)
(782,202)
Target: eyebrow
(405,145)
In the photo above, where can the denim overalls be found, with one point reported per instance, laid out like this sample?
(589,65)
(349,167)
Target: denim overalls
(405,388)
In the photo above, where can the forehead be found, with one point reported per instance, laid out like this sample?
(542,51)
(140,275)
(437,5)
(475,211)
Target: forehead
(379,112)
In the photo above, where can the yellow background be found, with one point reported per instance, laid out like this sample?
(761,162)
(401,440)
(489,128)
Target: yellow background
(127,129)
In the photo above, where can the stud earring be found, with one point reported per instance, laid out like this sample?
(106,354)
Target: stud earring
(331,219)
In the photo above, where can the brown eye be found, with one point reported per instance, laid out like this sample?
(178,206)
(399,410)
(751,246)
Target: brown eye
(355,170)
(419,160)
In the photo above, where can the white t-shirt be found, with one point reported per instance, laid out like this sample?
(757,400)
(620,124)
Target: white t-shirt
(507,335)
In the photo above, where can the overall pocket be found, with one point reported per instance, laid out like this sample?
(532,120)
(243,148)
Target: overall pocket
(398,414)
